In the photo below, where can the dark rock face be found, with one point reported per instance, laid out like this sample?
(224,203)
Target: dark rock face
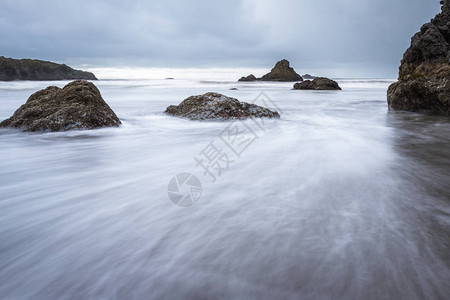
(250,77)
(318,83)
(78,105)
(424,73)
(214,106)
(309,77)
(282,72)
(30,69)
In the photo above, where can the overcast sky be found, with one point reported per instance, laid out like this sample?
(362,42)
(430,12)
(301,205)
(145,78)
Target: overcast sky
(345,37)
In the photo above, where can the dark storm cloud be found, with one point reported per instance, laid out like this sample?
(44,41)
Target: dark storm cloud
(317,35)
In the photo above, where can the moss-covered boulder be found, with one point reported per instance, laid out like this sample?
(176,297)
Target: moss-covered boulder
(214,106)
(79,105)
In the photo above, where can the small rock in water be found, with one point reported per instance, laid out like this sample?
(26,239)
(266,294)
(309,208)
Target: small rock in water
(214,106)
(318,83)
(250,77)
(79,105)
(233,89)
(308,76)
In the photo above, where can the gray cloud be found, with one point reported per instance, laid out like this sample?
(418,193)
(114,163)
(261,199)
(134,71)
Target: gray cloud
(364,38)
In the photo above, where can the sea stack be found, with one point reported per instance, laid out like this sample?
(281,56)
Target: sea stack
(33,69)
(424,76)
(79,105)
(282,72)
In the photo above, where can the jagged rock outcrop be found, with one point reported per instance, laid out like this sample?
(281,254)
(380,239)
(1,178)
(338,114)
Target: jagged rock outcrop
(318,83)
(214,106)
(424,75)
(282,72)
(32,69)
(79,105)
(250,77)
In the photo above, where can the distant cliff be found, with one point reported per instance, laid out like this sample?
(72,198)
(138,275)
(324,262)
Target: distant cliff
(32,69)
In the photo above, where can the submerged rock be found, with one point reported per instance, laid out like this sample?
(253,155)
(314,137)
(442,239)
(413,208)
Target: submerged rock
(250,77)
(79,105)
(282,72)
(424,75)
(214,106)
(32,69)
(318,83)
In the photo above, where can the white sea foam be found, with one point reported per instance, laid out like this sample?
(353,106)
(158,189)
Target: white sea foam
(339,199)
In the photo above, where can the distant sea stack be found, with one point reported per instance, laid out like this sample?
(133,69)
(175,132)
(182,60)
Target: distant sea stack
(79,105)
(32,69)
(281,72)
(424,76)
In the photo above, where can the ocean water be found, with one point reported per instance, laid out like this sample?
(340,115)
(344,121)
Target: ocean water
(338,199)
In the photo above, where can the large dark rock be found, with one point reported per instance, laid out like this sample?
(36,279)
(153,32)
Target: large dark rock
(282,72)
(214,106)
(250,77)
(31,69)
(424,73)
(78,105)
(318,83)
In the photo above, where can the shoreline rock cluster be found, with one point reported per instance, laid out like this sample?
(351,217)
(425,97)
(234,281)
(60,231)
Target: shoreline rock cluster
(39,70)
(79,105)
(424,75)
(283,72)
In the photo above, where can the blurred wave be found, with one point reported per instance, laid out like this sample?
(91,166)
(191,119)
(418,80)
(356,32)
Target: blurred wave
(339,199)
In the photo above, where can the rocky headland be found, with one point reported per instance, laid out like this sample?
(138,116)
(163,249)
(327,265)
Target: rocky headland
(424,75)
(308,76)
(32,69)
(214,106)
(79,105)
